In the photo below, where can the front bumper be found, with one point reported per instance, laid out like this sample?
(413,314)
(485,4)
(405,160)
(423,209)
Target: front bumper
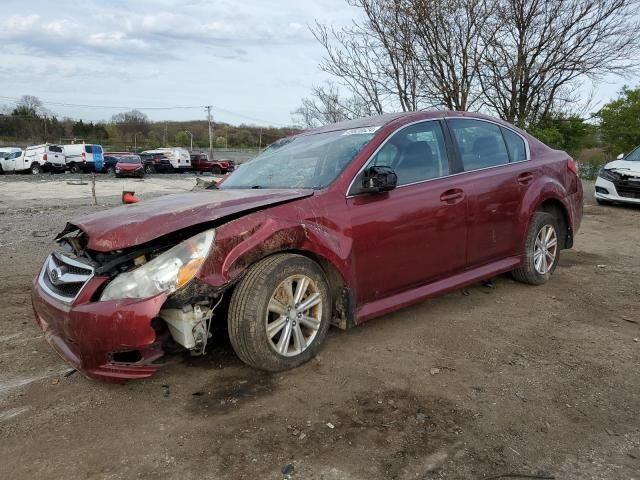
(90,335)
(606,190)
(130,173)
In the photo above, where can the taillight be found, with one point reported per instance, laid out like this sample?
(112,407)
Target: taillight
(84,157)
(572,166)
(44,157)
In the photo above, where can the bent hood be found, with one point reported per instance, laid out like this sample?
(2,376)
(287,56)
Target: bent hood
(625,167)
(139,223)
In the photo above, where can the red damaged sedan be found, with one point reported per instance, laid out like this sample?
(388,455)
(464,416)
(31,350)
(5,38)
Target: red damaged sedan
(333,226)
(130,166)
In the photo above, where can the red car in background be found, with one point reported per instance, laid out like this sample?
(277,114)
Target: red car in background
(333,226)
(200,163)
(130,166)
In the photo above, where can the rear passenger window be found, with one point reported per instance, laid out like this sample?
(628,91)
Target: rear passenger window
(88,148)
(515,144)
(481,144)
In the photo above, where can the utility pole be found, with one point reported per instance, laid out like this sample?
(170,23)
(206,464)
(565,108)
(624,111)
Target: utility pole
(164,136)
(208,108)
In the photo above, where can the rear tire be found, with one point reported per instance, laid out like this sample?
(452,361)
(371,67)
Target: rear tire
(149,168)
(111,170)
(542,250)
(216,170)
(36,169)
(270,326)
(74,168)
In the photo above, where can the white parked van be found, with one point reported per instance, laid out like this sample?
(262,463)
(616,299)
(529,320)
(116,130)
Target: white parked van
(85,157)
(43,158)
(179,157)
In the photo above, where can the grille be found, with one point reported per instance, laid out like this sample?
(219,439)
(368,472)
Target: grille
(63,277)
(628,189)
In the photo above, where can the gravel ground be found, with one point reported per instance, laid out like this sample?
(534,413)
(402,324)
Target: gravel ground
(496,379)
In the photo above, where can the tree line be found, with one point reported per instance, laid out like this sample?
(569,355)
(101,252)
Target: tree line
(29,122)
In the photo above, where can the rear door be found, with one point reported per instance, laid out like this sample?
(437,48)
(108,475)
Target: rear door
(416,233)
(497,174)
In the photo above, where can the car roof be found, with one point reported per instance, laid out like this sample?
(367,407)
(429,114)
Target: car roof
(406,117)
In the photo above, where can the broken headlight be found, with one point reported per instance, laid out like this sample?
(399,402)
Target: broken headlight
(165,273)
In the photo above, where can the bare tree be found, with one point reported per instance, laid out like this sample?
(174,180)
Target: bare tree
(448,45)
(540,50)
(131,122)
(325,105)
(409,54)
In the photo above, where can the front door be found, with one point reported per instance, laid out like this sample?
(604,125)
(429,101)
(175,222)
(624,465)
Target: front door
(416,233)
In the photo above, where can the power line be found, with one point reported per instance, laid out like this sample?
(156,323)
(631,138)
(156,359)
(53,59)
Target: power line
(177,107)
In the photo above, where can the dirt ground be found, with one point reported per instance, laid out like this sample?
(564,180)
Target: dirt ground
(492,381)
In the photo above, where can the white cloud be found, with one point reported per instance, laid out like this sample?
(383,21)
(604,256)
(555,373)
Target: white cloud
(254,57)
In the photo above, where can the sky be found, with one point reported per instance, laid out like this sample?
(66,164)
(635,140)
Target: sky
(253,60)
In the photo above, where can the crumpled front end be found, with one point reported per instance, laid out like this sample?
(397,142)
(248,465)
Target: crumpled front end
(111,341)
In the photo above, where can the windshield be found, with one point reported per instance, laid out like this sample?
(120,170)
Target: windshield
(129,160)
(634,156)
(308,161)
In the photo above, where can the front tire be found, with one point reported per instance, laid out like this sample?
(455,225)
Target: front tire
(280,312)
(542,250)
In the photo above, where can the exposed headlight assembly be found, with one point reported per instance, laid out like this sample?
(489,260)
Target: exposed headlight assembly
(607,174)
(166,273)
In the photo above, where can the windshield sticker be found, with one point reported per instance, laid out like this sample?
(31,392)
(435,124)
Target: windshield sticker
(361,131)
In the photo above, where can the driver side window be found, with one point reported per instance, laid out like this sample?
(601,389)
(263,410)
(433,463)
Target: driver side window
(415,153)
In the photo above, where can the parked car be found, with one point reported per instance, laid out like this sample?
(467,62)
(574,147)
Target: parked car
(178,157)
(83,157)
(200,163)
(156,162)
(42,158)
(109,164)
(619,181)
(130,166)
(10,157)
(334,226)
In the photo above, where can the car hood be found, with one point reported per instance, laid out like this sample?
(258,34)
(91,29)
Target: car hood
(139,223)
(624,166)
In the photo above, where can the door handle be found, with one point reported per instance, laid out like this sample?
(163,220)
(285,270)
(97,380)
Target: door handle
(452,196)
(525,178)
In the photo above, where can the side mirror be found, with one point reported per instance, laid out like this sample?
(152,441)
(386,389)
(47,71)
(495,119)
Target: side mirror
(620,157)
(379,179)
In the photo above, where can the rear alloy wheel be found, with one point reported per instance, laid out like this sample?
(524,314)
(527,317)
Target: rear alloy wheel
(216,170)
(36,169)
(149,168)
(280,312)
(74,168)
(111,170)
(542,250)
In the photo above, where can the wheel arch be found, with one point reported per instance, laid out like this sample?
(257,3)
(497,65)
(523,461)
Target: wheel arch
(556,208)
(547,195)
(243,245)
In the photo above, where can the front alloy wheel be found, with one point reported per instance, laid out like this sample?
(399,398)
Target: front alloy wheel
(294,315)
(280,312)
